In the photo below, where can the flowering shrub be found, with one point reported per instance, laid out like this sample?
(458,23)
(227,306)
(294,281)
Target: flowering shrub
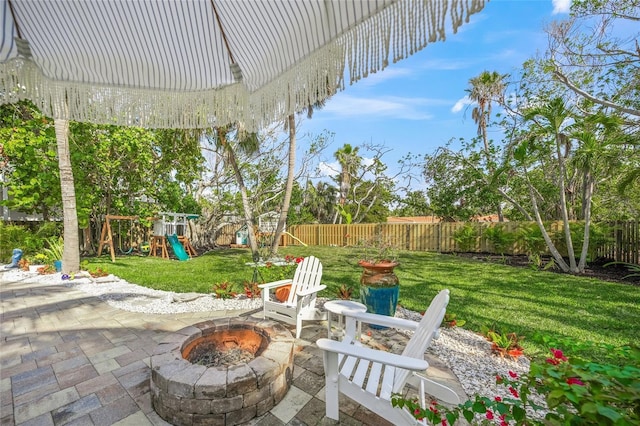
(46,270)
(280,270)
(504,343)
(251,289)
(224,290)
(98,272)
(576,392)
(344,291)
(23,264)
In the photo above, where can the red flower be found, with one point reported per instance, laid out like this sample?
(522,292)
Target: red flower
(489,415)
(557,353)
(299,259)
(552,361)
(514,392)
(575,381)
(515,352)
(513,374)
(498,399)
(503,423)
(444,422)
(499,379)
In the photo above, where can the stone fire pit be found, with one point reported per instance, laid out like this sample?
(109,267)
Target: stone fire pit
(246,373)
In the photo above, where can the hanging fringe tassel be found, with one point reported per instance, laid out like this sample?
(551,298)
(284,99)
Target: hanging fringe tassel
(400,30)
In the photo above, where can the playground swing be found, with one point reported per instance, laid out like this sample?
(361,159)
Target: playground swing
(130,249)
(107,237)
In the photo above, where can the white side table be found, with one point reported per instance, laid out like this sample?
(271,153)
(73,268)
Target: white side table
(338,307)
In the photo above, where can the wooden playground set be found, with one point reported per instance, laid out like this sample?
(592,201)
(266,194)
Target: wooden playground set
(169,231)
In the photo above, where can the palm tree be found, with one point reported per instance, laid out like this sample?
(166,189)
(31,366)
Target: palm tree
(551,119)
(349,161)
(486,88)
(284,211)
(71,253)
(247,143)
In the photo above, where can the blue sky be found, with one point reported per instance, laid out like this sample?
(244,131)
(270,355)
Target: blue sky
(418,104)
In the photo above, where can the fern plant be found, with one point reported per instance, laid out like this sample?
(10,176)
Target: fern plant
(466,238)
(499,238)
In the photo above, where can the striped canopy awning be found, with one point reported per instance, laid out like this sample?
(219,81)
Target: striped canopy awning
(203,63)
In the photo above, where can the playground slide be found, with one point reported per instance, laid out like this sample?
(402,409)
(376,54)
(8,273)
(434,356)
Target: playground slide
(178,249)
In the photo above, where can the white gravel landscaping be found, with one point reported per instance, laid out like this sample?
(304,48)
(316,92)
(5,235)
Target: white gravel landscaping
(466,353)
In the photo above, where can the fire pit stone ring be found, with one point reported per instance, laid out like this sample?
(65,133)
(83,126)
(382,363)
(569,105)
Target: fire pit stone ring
(223,391)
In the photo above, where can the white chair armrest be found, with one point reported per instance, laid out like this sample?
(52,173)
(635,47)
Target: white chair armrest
(369,318)
(275,284)
(438,390)
(312,290)
(374,355)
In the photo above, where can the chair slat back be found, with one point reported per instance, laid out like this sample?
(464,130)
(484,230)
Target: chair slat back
(421,339)
(307,276)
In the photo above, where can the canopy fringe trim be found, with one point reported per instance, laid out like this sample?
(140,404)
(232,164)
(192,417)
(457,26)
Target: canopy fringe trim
(398,31)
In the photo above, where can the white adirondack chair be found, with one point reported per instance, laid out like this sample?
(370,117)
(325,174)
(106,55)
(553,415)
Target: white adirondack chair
(301,303)
(371,376)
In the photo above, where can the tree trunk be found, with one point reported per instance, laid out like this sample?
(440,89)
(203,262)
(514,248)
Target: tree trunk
(246,207)
(516,204)
(71,254)
(552,248)
(587,221)
(284,211)
(563,205)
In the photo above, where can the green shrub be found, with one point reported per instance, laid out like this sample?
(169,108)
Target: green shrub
(597,238)
(576,392)
(466,238)
(530,236)
(499,238)
(22,237)
(12,237)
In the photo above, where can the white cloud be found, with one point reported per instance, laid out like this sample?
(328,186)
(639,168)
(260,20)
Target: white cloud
(460,104)
(384,106)
(385,75)
(561,6)
(329,169)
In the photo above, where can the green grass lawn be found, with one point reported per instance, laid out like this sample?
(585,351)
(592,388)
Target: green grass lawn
(510,299)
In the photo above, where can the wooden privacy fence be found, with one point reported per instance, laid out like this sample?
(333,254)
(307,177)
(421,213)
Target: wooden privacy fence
(618,241)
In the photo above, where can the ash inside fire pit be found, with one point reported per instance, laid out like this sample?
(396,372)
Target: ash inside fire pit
(209,355)
(225,347)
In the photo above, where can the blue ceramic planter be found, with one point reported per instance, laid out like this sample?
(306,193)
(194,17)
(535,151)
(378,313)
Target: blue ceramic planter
(380,300)
(379,288)
(58,265)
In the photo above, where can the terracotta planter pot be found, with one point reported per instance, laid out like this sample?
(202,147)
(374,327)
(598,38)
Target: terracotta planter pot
(379,274)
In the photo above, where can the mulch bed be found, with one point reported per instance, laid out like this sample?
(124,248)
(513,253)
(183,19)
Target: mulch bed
(595,269)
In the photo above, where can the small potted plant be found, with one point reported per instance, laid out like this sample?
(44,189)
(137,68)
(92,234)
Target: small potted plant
(379,285)
(54,251)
